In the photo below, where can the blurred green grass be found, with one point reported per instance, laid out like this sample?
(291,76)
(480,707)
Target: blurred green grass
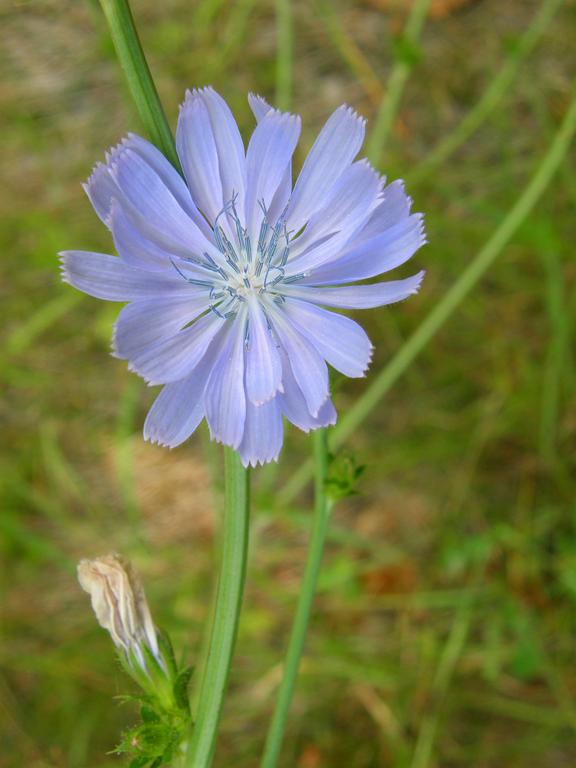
(444,626)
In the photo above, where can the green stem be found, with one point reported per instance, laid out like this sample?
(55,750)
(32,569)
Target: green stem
(499,86)
(283,54)
(396,82)
(452,299)
(230,588)
(142,88)
(214,678)
(320,521)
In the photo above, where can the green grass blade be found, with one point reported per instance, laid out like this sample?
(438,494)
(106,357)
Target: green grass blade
(498,87)
(396,83)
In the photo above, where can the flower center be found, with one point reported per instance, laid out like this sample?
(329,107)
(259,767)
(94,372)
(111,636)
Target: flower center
(242,268)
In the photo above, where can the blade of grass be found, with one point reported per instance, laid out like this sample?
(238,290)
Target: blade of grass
(557,353)
(513,709)
(442,312)
(39,322)
(232,41)
(449,658)
(283,54)
(351,54)
(397,81)
(497,89)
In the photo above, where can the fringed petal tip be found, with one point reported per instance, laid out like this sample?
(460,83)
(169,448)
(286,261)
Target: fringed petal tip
(327,421)
(351,112)
(261,108)
(258,105)
(418,277)
(364,162)
(189,97)
(368,364)
(198,93)
(162,443)
(65,259)
(153,440)
(134,369)
(253,461)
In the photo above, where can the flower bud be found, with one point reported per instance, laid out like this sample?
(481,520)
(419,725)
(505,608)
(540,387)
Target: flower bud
(120,606)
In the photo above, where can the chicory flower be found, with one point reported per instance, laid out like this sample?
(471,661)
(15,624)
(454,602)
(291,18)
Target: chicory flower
(228,270)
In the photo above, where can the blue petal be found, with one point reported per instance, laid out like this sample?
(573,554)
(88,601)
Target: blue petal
(358,296)
(337,145)
(229,146)
(263,434)
(224,398)
(372,257)
(260,109)
(259,106)
(295,408)
(308,367)
(101,190)
(108,277)
(174,358)
(348,205)
(133,247)
(144,323)
(170,177)
(269,154)
(178,409)
(263,365)
(153,208)
(340,340)
(395,206)
(139,251)
(198,154)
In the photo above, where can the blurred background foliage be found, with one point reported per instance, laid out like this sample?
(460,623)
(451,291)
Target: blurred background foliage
(444,625)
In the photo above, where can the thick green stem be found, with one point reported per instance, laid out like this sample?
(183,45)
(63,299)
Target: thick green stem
(301,620)
(451,300)
(142,88)
(214,677)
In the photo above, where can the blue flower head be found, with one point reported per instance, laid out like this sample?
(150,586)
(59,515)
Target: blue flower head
(227,271)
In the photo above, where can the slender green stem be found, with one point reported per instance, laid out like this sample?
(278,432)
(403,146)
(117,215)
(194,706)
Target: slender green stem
(142,88)
(214,677)
(396,82)
(498,87)
(284,54)
(452,299)
(322,510)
